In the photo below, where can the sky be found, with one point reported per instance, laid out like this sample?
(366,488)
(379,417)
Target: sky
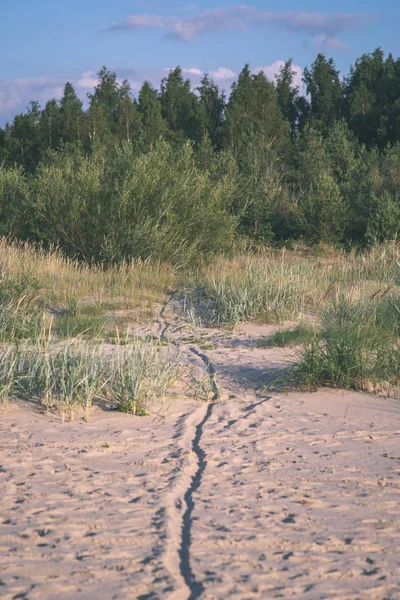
(45,43)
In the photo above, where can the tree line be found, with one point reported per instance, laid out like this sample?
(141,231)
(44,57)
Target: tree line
(177,172)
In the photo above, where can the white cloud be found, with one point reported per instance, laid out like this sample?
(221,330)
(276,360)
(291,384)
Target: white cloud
(223,73)
(88,80)
(16,94)
(190,71)
(323,41)
(143,21)
(193,71)
(271,72)
(323,27)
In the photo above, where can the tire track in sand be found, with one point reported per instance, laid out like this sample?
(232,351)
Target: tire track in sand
(178,526)
(196,587)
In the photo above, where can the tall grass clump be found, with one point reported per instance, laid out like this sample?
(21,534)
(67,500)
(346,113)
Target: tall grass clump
(34,280)
(380,264)
(20,315)
(74,375)
(356,347)
(277,285)
(19,322)
(66,378)
(140,373)
(267,287)
(8,374)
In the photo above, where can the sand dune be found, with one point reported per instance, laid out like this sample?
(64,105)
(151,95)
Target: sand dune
(256,496)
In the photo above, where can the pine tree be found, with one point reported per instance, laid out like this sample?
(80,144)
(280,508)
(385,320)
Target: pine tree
(211,110)
(288,95)
(253,110)
(71,116)
(149,107)
(24,146)
(4,145)
(129,119)
(103,113)
(372,99)
(50,126)
(179,107)
(321,210)
(324,87)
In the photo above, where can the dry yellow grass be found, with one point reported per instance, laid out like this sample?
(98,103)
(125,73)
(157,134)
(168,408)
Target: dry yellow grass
(64,283)
(276,285)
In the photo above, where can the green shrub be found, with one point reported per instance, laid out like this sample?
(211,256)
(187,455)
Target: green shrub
(121,206)
(14,201)
(165,207)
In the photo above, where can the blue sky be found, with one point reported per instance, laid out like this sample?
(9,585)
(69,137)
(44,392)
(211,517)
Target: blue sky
(44,43)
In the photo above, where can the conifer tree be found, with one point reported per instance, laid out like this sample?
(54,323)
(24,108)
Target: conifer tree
(50,126)
(24,146)
(321,210)
(288,95)
(129,119)
(372,99)
(253,110)
(4,144)
(179,107)
(103,113)
(71,116)
(325,90)
(152,122)
(211,110)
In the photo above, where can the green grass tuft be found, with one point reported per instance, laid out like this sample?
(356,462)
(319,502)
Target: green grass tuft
(357,347)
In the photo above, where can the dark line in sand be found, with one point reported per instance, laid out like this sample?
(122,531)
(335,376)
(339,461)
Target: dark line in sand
(163,335)
(196,587)
(253,406)
(211,372)
(164,326)
(249,410)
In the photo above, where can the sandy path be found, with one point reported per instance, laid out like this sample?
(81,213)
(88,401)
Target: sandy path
(288,498)
(299,501)
(284,496)
(81,518)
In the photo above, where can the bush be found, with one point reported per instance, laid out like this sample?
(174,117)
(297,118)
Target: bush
(166,208)
(69,206)
(14,201)
(122,206)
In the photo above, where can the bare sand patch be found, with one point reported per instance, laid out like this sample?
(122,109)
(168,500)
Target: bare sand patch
(257,495)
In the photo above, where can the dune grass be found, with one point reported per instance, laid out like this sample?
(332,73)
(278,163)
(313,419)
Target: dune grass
(277,286)
(61,282)
(74,376)
(83,299)
(56,316)
(355,348)
(350,300)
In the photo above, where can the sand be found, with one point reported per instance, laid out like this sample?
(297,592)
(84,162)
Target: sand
(259,495)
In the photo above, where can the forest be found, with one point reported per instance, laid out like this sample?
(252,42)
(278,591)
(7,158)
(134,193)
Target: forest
(179,173)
